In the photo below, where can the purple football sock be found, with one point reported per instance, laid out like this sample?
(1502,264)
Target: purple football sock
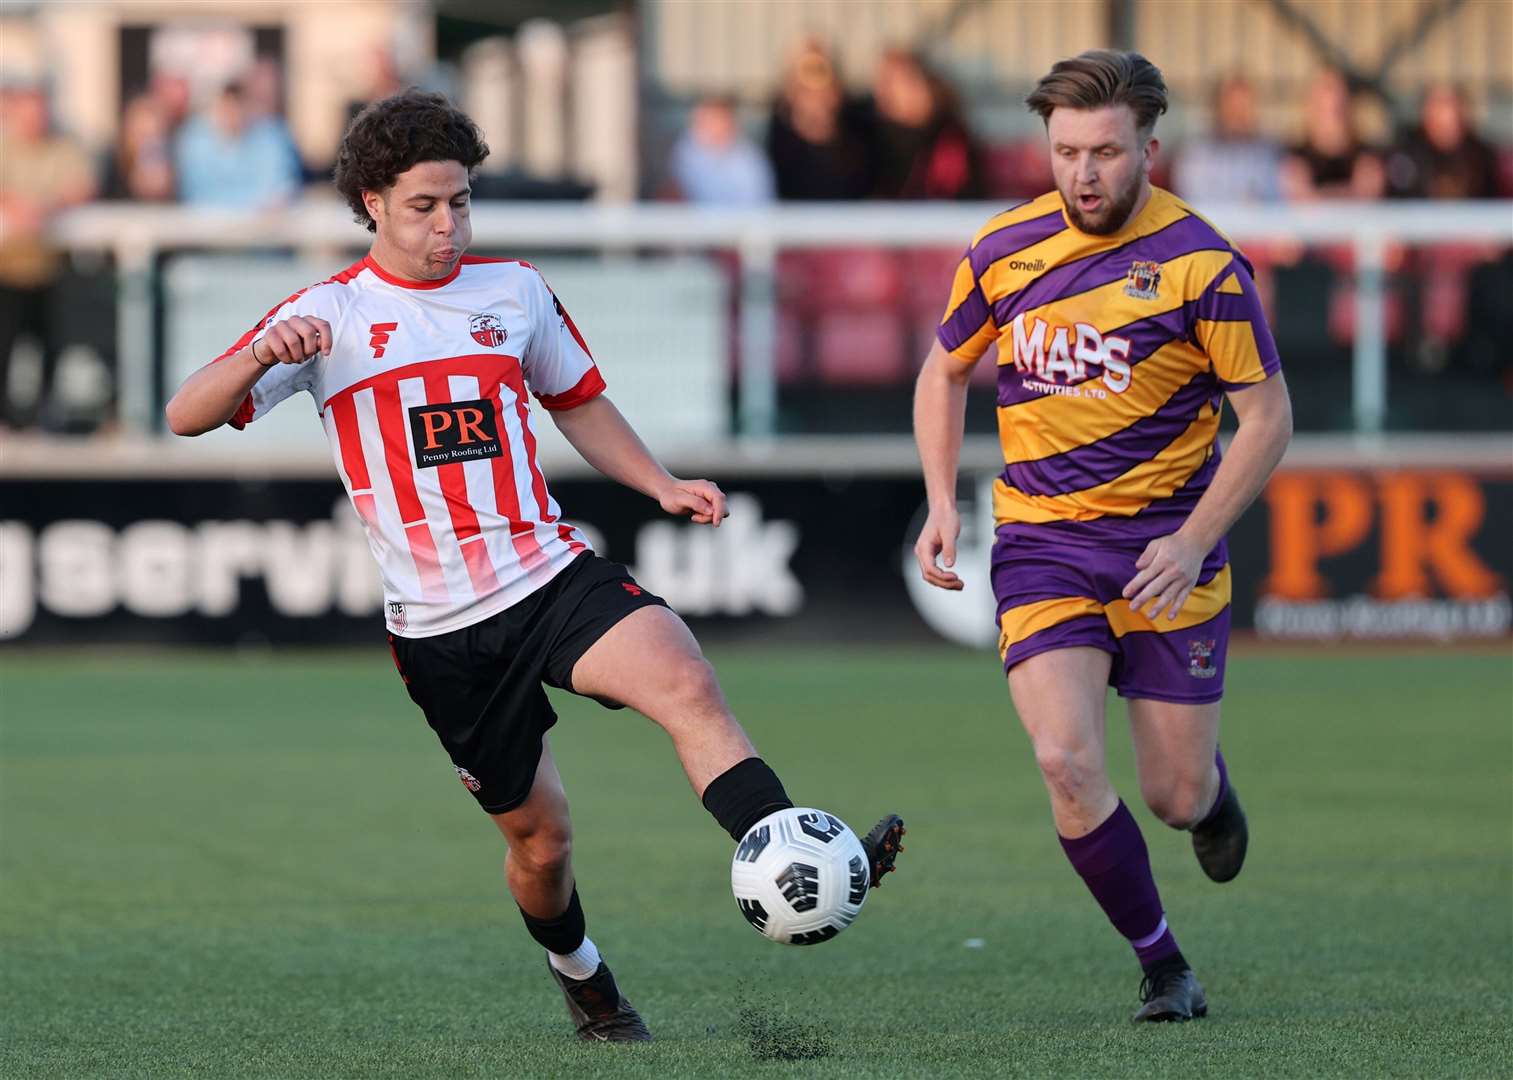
(1113,861)
(1223,789)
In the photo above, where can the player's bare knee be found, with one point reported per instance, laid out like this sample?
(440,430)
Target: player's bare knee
(544,853)
(1178,804)
(1070,772)
(692,685)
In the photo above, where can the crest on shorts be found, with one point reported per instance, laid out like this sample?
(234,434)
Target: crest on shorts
(1144,280)
(487,330)
(1200,658)
(469,781)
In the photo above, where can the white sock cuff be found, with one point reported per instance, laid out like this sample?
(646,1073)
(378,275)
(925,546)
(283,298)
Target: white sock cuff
(1151,938)
(579,964)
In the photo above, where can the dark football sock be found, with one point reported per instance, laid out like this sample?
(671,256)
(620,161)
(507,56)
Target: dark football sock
(560,935)
(1116,867)
(744,794)
(1223,789)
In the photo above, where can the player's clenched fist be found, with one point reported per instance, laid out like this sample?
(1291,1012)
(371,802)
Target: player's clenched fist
(938,540)
(293,341)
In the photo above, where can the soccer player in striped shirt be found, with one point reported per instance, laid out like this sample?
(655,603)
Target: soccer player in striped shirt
(420,359)
(1123,322)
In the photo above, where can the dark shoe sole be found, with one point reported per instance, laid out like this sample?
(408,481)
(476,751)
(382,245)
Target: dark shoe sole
(1172,1017)
(882,846)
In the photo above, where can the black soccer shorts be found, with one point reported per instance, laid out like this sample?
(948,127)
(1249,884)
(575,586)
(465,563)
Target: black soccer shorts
(480,687)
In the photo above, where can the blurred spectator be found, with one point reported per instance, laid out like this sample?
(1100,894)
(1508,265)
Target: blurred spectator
(169,91)
(227,157)
(1236,163)
(817,139)
(141,166)
(922,147)
(714,163)
(41,173)
(1332,162)
(1442,158)
(382,79)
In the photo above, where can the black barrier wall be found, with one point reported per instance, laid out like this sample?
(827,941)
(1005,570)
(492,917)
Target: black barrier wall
(1326,554)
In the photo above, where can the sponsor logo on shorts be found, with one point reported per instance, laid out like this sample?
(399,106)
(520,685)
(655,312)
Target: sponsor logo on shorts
(1200,658)
(397,616)
(631,587)
(469,781)
(454,431)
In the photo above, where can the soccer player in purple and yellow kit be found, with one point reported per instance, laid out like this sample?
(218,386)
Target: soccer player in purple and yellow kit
(1123,321)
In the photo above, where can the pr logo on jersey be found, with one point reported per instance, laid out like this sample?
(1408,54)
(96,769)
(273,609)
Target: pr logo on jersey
(469,781)
(1144,280)
(379,336)
(1200,658)
(454,431)
(487,330)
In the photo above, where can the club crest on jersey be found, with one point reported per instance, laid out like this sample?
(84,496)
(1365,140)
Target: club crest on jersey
(398,619)
(487,330)
(1144,280)
(1200,658)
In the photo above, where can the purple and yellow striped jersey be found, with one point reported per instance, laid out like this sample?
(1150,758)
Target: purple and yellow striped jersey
(1113,356)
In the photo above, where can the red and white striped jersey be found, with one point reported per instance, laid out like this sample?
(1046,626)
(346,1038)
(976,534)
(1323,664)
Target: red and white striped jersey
(423,397)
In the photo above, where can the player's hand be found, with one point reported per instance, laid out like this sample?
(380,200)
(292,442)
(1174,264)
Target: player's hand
(938,539)
(701,501)
(1168,570)
(295,340)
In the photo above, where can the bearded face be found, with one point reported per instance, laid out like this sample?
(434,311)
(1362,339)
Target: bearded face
(1101,162)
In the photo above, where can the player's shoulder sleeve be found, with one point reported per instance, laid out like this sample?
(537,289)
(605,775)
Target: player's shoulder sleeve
(989,271)
(1229,325)
(325,300)
(559,369)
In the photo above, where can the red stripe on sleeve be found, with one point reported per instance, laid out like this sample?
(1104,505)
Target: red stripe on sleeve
(587,388)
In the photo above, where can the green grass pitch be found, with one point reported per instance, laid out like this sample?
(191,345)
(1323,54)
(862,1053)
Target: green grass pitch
(222,865)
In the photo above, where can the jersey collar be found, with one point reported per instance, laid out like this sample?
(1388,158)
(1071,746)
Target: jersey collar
(406,283)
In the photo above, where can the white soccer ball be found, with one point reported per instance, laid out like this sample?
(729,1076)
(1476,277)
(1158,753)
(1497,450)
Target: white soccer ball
(800,876)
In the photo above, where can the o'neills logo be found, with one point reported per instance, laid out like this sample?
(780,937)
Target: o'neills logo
(1032,265)
(487,330)
(453,431)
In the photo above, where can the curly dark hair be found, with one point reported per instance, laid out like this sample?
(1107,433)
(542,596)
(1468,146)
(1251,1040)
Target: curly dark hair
(394,135)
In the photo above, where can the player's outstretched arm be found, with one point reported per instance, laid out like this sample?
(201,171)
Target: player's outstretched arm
(1169,566)
(211,396)
(940,411)
(606,440)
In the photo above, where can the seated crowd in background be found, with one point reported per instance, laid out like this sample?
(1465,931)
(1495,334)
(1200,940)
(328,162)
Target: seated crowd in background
(906,138)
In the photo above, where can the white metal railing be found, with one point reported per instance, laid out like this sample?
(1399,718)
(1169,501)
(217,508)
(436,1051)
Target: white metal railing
(135,235)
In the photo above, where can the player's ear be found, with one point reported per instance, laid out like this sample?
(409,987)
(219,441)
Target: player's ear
(373,202)
(1152,146)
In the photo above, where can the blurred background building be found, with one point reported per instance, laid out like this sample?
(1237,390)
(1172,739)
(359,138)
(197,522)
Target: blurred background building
(715,188)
